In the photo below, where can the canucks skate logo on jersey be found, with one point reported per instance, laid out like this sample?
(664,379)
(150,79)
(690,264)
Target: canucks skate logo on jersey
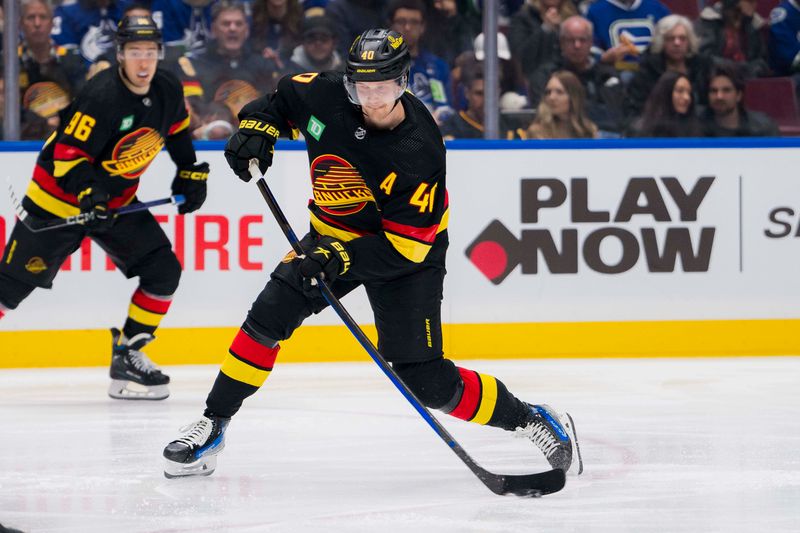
(634,33)
(134,153)
(338,187)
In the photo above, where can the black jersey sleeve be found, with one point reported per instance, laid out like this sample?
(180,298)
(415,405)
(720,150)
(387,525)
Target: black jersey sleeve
(81,139)
(179,139)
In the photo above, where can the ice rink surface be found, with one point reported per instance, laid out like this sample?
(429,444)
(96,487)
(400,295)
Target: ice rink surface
(681,445)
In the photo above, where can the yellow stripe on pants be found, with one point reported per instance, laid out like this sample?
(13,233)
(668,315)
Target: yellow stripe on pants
(240,371)
(144,317)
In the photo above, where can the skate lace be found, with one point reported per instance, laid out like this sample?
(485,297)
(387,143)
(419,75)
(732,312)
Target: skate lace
(141,362)
(196,433)
(538,433)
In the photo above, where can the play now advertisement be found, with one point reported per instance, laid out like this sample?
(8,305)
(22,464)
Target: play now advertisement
(535,236)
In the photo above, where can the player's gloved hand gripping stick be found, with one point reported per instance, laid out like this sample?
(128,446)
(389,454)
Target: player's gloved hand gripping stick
(522,485)
(37,224)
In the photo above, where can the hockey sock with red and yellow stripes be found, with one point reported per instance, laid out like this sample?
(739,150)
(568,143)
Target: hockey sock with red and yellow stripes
(145,312)
(245,368)
(484,399)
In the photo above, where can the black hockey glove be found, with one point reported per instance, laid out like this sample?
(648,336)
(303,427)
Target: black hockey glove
(255,139)
(328,257)
(191,182)
(94,203)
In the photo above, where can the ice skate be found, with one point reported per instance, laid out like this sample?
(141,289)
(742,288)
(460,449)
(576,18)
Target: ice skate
(133,375)
(195,453)
(555,436)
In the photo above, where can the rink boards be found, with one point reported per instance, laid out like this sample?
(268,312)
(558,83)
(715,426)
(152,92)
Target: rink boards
(566,249)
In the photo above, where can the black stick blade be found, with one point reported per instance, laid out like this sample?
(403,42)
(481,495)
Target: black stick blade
(526,485)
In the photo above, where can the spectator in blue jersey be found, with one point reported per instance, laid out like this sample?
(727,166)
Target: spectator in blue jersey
(670,110)
(228,65)
(87,27)
(185,24)
(276,29)
(318,52)
(533,35)
(429,77)
(353,17)
(726,115)
(604,90)
(784,39)
(730,31)
(454,33)
(623,30)
(674,47)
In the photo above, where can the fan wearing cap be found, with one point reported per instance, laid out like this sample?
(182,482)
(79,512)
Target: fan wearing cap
(108,136)
(379,216)
(318,51)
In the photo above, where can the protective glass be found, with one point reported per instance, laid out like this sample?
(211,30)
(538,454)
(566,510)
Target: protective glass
(375,93)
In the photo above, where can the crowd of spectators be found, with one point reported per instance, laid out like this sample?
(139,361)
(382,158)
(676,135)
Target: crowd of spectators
(568,69)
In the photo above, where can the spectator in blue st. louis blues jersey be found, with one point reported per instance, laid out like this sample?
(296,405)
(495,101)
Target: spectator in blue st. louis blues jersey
(784,38)
(623,29)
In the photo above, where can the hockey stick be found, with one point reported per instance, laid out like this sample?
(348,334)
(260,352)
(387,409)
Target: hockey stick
(36,224)
(522,485)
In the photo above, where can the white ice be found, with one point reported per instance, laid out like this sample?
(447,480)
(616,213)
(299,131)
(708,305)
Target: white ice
(690,445)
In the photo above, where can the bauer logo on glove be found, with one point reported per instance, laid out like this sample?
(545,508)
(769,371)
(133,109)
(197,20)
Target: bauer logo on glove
(255,140)
(328,257)
(254,125)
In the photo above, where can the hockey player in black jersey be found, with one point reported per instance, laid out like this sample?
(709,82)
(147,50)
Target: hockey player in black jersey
(109,135)
(379,218)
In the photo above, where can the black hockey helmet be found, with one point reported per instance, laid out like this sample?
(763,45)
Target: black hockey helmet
(137,28)
(377,55)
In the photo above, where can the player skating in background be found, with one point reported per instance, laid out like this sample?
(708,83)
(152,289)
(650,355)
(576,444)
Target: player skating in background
(109,135)
(378,219)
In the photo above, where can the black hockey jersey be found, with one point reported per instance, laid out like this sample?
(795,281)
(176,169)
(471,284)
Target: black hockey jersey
(109,136)
(383,191)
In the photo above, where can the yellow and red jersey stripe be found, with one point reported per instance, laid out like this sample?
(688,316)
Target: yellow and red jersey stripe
(179,126)
(45,192)
(192,88)
(324,226)
(412,242)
